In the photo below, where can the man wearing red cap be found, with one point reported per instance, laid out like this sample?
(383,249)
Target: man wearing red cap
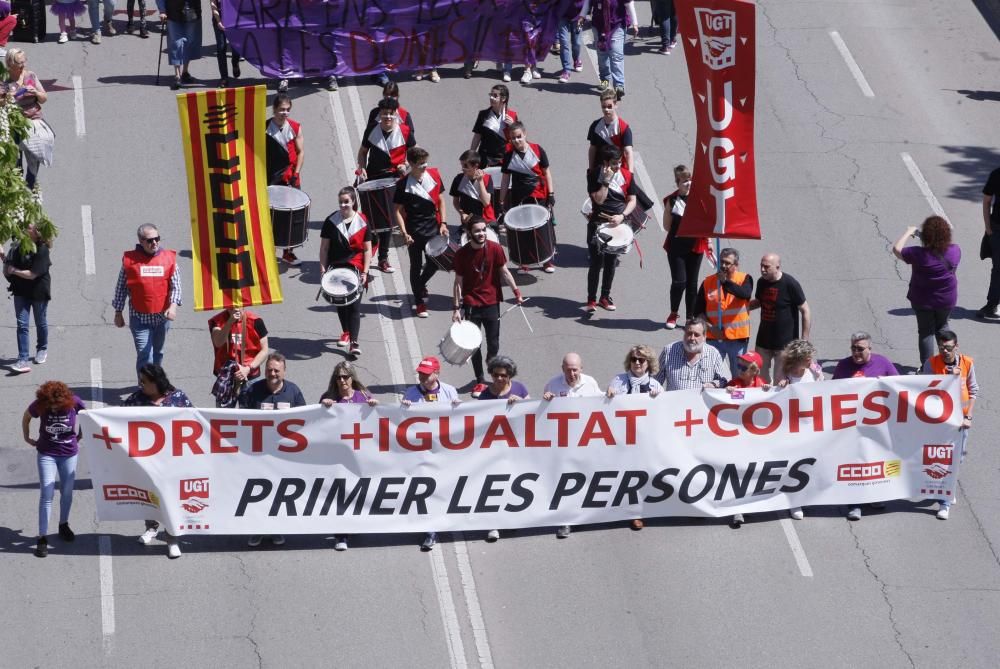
(430,389)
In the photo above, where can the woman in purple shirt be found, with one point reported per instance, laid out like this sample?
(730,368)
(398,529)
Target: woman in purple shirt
(933,289)
(345,388)
(57,444)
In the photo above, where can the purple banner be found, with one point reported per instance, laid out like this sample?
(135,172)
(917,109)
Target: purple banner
(314,38)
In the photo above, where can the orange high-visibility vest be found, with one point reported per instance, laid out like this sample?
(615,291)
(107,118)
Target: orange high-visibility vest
(735,315)
(938,366)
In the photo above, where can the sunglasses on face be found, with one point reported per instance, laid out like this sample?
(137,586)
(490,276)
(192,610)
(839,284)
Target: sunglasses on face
(859,349)
(342,377)
(639,360)
(947,347)
(150,240)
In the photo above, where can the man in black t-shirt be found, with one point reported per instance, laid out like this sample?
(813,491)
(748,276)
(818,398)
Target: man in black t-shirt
(780,300)
(991,219)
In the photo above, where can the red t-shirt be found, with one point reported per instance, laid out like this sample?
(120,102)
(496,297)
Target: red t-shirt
(740,383)
(481,272)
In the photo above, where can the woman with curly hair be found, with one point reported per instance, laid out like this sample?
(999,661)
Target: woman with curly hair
(57,444)
(933,289)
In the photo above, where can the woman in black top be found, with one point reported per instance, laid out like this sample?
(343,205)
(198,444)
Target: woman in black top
(30,284)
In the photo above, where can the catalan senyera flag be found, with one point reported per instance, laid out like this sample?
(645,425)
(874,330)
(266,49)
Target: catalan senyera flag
(233,249)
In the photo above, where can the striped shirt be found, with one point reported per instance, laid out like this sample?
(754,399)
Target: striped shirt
(677,373)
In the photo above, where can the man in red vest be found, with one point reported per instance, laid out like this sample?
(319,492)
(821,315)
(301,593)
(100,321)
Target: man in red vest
(240,335)
(152,284)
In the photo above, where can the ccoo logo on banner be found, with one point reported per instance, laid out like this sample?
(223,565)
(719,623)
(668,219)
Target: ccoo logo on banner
(721,66)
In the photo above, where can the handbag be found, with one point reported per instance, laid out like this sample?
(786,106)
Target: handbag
(985,248)
(40,142)
(189,14)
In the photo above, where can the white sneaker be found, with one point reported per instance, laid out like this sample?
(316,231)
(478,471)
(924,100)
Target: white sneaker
(173,551)
(736,520)
(526,77)
(535,74)
(148,535)
(796,513)
(854,513)
(563,532)
(506,76)
(63,38)
(21,367)
(944,512)
(41,356)
(340,544)
(492,535)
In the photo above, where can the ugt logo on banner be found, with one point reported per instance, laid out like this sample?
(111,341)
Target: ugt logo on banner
(721,67)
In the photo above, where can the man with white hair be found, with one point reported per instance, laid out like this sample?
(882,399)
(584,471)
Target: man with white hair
(689,364)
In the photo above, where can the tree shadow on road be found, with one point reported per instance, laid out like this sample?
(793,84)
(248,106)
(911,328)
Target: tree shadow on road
(973,164)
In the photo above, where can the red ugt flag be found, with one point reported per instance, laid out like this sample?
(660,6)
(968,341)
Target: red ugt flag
(720,55)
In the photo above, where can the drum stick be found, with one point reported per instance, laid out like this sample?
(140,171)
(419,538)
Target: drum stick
(512,307)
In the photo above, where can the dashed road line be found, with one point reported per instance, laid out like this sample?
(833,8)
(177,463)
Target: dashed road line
(104,542)
(797,551)
(922,184)
(81,122)
(86,220)
(852,64)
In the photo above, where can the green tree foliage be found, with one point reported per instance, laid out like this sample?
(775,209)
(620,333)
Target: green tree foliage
(19,205)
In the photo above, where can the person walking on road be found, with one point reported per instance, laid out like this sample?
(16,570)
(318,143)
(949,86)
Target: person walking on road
(726,295)
(781,302)
(31,287)
(151,282)
(991,219)
(610,19)
(57,445)
(684,254)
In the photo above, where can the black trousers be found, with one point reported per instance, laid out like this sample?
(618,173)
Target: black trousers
(350,319)
(421,267)
(384,239)
(684,268)
(488,318)
(599,261)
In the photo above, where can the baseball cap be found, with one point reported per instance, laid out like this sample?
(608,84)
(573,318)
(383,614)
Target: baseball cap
(429,365)
(752,357)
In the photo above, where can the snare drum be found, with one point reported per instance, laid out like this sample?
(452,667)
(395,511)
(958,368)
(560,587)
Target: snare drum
(636,220)
(490,236)
(441,251)
(376,203)
(531,238)
(461,342)
(615,240)
(289,216)
(341,286)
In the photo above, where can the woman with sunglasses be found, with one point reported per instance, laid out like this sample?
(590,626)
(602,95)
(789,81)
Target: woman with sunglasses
(503,387)
(345,388)
(640,368)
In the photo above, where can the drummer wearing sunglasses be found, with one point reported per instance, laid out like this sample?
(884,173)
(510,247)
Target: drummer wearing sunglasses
(613,195)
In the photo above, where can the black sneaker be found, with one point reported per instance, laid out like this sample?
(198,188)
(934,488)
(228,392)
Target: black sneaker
(619,93)
(65,533)
(42,547)
(989,313)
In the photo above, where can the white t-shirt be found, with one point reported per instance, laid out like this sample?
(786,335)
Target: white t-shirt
(808,376)
(587,387)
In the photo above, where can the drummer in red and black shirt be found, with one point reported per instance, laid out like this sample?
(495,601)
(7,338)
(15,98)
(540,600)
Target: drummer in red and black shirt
(383,155)
(471,191)
(526,174)
(346,241)
(610,130)
(391,90)
(612,193)
(420,214)
(480,271)
(284,151)
(491,131)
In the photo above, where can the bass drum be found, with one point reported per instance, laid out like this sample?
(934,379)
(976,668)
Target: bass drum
(531,238)
(376,203)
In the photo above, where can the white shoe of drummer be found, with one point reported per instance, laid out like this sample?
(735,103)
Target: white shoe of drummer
(148,535)
(796,513)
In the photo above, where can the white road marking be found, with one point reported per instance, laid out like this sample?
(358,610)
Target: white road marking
(88,239)
(793,542)
(648,187)
(81,123)
(852,64)
(922,184)
(103,542)
(442,587)
(476,620)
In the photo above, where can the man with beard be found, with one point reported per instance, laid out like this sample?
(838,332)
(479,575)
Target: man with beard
(689,364)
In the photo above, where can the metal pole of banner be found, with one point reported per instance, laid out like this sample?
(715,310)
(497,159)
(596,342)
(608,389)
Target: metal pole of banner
(718,301)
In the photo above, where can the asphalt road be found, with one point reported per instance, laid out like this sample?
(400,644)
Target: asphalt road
(897,589)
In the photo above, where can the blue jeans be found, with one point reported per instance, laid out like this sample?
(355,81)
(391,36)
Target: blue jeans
(569,35)
(611,63)
(22,308)
(48,465)
(731,350)
(93,8)
(149,341)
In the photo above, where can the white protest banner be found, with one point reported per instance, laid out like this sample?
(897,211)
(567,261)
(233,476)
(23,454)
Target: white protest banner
(484,465)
